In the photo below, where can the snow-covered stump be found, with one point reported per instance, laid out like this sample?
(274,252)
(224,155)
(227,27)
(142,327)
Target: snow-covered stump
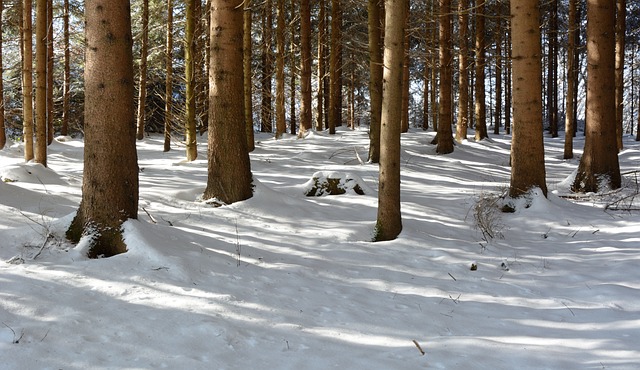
(334,183)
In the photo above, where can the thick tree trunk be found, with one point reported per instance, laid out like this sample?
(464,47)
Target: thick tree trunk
(41,83)
(444,136)
(229,171)
(168,94)
(463,74)
(142,82)
(375,79)
(248,83)
(389,221)
(305,68)
(110,178)
(27,80)
(599,169)
(527,146)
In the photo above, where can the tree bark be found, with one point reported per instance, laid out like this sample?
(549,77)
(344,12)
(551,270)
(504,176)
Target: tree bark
(480,103)
(266,113)
(3,135)
(321,66)
(305,68)
(66,86)
(463,74)
(569,121)
(404,121)
(50,57)
(444,135)
(190,81)
(527,146)
(389,221)
(142,82)
(621,15)
(375,78)
(229,171)
(27,80)
(168,93)
(335,67)
(248,83)
(110,177)
(599,168)
(280,26)
(41,83)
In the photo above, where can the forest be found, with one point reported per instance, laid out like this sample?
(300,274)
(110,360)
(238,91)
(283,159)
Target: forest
(314,184)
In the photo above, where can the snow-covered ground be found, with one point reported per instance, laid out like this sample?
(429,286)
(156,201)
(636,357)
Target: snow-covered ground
(285,281)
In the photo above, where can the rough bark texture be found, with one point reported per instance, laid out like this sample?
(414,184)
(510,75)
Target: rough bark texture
(480,104)
(321,66)
(569,121)
(375,79)
(404,122)
(3,135)
(335,67)
(41,83)
(50,57)
(27,80)
(190,81)
(305,67)
(280,26)
(266,113)
(229,172)
(444,136)
(168,92)
(621,15)
(66,85)
(389,222)
(248,84)
(527,146)
(463,73)
(599,168)
(142,82)
(110,178)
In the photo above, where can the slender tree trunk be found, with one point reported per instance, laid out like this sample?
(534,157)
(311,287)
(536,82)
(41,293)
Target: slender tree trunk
(266,113)
(508,84)
(445,138)
(3,135)
(66,86)
(305,68)
(27,80)
(190,81)
(480,103)
(229,171)
(110,177)
(280,26)
(552,73)
(335,67)
(425,91)
(375,79)
(621,15)
(41,83)
(248,83)
(50,57)
(569,122)
(599,168)
(292,69)
(527,146)
(433,36)
(404,121)
(389,221)
(463,74)
(142,84)
(498,92)
(168,94)
(321,66)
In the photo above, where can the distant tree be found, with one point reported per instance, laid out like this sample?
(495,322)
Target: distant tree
(480,101)
(248,67)
(110,177)
(266,112)
(444,136)
(142,84)
(463,73)
(190,80)
(527,146)
(280,28)
(27,80)
(322,17)
(569,119)
(229,172)
(335,67)
(375,78)
(552,70)
(3,134)
(389,221)
(305,67)
(404,120)
(168,94)
(66,84)
(293,67)
(41,83)
(50,72)
(498,91)
(599,168)
(621,16)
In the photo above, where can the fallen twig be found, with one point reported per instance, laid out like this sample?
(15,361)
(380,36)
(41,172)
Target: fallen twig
(419,348)
(568,308)
(148,214)
(454,279)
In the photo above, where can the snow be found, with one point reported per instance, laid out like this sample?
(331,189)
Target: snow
(286,281)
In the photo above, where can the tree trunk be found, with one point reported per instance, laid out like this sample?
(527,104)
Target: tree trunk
(66,85)
(229,170)
(404,121)
(480,103)
(569,121)
(599,169)
(266,114)
(335,67)
(552,73)
(41,83)
(110,178)
(50,56)
(321,66)
(27,80)
(621,27)
(375,79)
(190,81)
(527,146)
(444,135)
(292,70)
(498,93)
(389,221)
(463,74)
(433,37)
(142,84)
(248,83)
(305,68)
(280,26)
(3,135)
(168,93)
(508,84)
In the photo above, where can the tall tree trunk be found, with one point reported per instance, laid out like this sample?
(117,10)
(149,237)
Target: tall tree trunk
(292,69)
(480,103)
(142,84)
(248,83)
(3,135)
(569,121)
(445,138)
(66,85)
(27,80)
(190,81)
(621,15)
(463,74)
(266,114)
(433,37)
(404,121)
(498,92)
(110,177)
(168,93)
(280,26)
(50,57)
(321,66)
(335,67)
(229,171)
(527,146)
(305,68)
(389,221)
(599,168)
(508,84)
(552,73)
(41,83)
(375,78)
